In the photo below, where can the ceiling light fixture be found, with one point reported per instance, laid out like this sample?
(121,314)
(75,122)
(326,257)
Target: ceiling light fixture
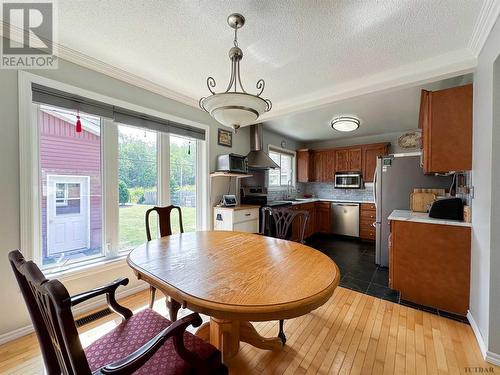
(345,123)
(233,107)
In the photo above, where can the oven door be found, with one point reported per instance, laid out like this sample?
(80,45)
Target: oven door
(348,181)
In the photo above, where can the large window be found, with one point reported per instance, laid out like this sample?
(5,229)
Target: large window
(183,176)
(70,187)
(97,180)
(137,184)
(284,176)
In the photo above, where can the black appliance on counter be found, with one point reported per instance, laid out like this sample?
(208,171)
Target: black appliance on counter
(233,163)
(447,209)
(257,195)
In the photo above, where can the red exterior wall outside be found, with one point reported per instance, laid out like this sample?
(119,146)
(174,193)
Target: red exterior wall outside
(65,152)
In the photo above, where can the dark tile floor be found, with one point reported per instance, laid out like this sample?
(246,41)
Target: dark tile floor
(356,261)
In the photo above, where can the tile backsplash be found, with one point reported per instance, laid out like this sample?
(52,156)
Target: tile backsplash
(326,190)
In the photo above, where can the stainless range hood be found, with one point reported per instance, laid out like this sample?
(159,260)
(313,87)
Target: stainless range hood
(257,158)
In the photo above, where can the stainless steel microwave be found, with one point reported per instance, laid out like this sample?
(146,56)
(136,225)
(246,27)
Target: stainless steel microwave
(232,163)
(348,181)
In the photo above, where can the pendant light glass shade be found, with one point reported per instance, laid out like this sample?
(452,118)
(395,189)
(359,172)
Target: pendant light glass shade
(235,107)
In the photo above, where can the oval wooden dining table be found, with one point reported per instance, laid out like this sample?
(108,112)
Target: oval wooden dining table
(236,278)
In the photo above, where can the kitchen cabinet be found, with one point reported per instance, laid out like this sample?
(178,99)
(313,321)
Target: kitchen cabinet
(367,216)
(370,154)
(323,218)
(430,264)
(341,160)
(311,222)
(446,123)
(348,159)
(323,165)
(305,165)
(242,218)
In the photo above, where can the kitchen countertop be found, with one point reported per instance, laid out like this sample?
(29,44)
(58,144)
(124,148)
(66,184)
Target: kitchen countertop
(423,217)
(311,200)
(238,207)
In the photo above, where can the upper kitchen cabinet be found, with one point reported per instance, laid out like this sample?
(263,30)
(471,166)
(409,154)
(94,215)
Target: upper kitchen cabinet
(370,154)
(323,165)
(348,159)
(305,165)
(446,123)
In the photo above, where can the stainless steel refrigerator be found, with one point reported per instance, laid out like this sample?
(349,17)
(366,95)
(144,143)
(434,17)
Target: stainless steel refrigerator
(395,177)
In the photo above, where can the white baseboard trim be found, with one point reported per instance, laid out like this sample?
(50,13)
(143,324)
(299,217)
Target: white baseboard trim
(493,358)
(85,307)
(488,356)
(477,333)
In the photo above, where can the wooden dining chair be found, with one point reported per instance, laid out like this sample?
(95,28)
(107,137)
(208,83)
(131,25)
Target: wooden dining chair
(165,225)
(144,343)
(278,222)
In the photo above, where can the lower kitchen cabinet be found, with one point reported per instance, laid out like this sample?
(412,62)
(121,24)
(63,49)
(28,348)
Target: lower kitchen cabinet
(243,218)
(311,222)
(323,217)
(367,217)
(430,264)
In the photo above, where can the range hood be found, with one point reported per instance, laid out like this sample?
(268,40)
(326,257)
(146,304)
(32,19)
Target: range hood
(257,158)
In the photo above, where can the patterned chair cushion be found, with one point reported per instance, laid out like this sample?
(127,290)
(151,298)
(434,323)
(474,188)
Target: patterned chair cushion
(131,334)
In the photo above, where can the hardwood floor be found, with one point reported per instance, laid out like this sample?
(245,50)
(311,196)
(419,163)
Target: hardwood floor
(352,333)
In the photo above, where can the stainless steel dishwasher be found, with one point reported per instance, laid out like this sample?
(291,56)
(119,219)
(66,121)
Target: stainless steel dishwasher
(345,218)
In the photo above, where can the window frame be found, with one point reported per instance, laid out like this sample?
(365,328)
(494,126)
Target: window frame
(30,194)
(283,151)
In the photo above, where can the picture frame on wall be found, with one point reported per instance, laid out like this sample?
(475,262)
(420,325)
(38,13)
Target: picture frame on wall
(225,138)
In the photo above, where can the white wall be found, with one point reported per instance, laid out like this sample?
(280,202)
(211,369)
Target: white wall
(485,262)
(14,314)
(494,334)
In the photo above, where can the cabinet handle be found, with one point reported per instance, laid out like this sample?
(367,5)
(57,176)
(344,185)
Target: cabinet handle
(247,214)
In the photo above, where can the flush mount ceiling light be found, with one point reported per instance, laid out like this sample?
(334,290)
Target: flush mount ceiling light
(345,123)
(235,107)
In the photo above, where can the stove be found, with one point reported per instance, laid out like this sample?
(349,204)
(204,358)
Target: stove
(257,195)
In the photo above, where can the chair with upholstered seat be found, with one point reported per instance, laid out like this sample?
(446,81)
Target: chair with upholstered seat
(144,343)
(278,222)
(165,225)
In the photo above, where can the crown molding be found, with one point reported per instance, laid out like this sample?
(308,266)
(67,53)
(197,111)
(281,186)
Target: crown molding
(421,72)
(439,67)
(99,66)
(83,60)
(488,15)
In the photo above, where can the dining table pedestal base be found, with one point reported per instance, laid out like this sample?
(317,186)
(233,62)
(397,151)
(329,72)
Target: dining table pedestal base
(226,335)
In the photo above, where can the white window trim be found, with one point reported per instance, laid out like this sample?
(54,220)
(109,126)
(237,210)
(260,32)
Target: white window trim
(30,207)
(294,167)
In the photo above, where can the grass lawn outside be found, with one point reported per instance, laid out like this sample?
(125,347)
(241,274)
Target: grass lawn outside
(132,227)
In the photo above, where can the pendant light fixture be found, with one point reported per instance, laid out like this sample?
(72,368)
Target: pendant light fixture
(235,107)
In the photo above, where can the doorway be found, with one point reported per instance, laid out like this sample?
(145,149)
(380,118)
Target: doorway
(67,213)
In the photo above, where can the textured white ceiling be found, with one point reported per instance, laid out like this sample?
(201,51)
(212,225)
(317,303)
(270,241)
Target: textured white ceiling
(299,47)
(383,112)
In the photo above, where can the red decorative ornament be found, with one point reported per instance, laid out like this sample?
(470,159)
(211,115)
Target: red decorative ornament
(78,123)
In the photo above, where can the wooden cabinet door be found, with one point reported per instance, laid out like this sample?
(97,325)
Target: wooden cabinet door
(342,160)
(304,164)
(328,170)
(446,120)
(370,154)
(318,166)
(355,159)
(323,217)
